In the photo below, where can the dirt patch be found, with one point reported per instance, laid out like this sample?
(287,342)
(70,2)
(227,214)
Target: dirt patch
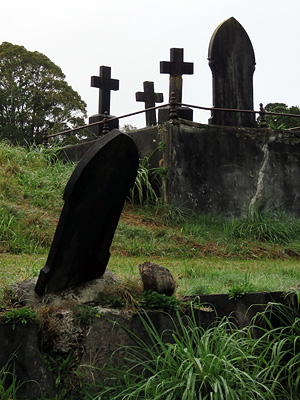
(132,219)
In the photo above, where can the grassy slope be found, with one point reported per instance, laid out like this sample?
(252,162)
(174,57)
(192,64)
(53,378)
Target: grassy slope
(206,255)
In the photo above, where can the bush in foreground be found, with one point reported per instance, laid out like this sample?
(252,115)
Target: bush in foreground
(221,362)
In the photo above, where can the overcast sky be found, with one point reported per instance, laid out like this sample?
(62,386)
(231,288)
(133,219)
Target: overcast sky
(133,36)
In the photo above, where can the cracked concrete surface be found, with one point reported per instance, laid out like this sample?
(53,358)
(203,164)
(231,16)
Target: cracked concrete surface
(260,179)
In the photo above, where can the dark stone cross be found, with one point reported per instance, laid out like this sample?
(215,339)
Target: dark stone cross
(105,84)
(150,98)
(94,198)
(176,67)
(232,61)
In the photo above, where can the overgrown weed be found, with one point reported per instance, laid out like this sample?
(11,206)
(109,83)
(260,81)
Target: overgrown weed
(266,226)
(221,362)
(9,384)
(239,289)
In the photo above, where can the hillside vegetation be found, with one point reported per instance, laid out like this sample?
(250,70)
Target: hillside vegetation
(206,254)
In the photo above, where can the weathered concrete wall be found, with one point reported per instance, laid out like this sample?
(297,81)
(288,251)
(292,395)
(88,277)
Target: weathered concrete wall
(222,170)
(146,140)
(226,170)
(94,344)
(76,152)
(20,345)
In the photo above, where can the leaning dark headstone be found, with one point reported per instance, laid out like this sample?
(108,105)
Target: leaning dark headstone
(94,198)
(176,67)
(150,98)
(105,84)
(232,61)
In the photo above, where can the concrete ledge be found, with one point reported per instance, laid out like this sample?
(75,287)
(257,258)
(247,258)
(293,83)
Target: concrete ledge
(94,344)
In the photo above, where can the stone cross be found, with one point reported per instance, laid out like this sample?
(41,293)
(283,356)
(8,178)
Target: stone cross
(232,61)
(176,67)
(105,85)
(94,198)
(150,98)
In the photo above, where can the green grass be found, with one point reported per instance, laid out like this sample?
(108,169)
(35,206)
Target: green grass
(9,384)
(215,275)
(272,227)
(31,187)
(206,254)
(221,362)
(15,268)
(194,276)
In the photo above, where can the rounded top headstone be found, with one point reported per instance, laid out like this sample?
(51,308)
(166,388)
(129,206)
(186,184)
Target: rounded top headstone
(229,35)
(232,62)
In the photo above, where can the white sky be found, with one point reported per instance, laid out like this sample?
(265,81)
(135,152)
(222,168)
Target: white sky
(133,36)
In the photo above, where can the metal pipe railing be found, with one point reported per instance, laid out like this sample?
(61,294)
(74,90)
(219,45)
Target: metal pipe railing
(173,104)
(108,119)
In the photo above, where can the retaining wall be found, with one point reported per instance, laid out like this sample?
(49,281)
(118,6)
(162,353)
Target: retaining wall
(223,170)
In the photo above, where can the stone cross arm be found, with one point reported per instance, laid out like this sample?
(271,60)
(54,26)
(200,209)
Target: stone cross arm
(149,97)
(176,65)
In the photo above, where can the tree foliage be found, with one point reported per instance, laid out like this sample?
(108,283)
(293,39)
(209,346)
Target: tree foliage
(281,121)
(34,96)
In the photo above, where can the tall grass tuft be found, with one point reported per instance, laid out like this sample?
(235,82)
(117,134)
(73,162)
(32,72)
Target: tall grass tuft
(198,364)
(272,227)
(279,346)
(221,362)
(144,190)
(9,384)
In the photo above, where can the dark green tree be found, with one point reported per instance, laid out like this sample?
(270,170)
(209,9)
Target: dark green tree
(281,121)
(34,97)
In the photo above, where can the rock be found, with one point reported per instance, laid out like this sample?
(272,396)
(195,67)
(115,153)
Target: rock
(21,343)
(157,278)
(61,333)
(84,293)
(110,336)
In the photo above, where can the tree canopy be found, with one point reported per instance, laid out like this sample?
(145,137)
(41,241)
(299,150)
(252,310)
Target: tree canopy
(281,121)
(34,96)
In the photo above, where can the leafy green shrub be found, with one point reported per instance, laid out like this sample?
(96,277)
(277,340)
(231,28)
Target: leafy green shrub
(111,300)
(62,367)
(154,300)
(123,297)
(21,315)
(239,289)
(85,314)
